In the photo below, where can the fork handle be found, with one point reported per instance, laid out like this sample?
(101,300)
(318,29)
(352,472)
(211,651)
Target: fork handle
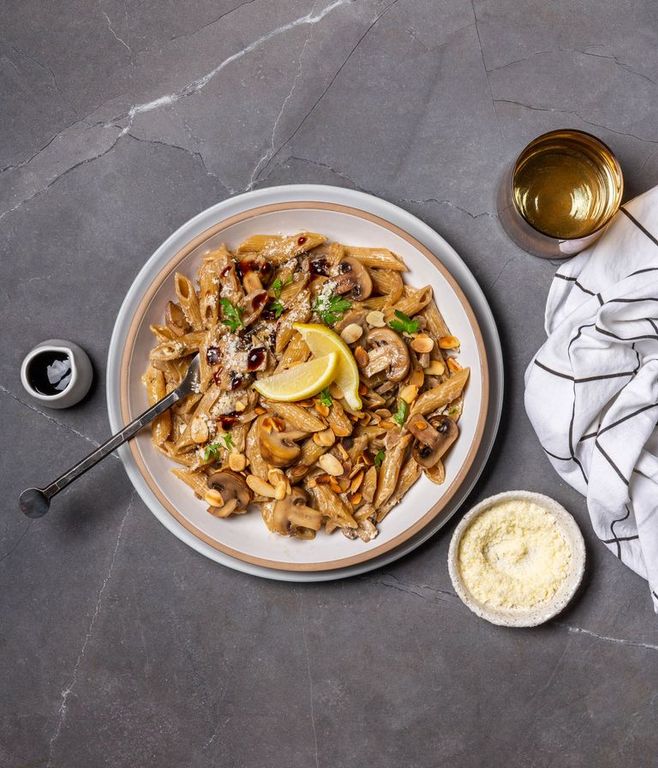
(34,502)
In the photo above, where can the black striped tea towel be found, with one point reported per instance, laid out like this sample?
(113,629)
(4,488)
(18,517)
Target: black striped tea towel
(592,389)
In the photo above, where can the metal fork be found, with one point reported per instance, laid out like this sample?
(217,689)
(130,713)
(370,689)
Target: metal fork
(35,502)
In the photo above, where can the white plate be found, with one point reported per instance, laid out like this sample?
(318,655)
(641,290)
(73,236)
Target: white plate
(245,543)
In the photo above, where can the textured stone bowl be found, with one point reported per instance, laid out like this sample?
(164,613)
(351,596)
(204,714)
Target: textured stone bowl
(521,617)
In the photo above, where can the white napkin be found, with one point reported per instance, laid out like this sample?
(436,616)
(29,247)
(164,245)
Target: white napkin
(592,389)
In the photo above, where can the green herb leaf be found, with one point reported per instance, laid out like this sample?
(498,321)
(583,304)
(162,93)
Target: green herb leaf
(212,451)
(379,458)
(278,285)
(231,315)
(325,398)
(330,309)
(403,323)
(402,412)
(276,306)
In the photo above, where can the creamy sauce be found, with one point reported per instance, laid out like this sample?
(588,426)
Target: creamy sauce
(514,555)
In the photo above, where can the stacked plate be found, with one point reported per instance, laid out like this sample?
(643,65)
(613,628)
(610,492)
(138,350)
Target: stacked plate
(244,543)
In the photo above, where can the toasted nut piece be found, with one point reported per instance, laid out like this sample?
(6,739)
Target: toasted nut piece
(363,389)
(449,342)
(199,431)
(351,333)
(417,378)
(237,461)
(422,343)
(275,476)
(214,498)
(345,455)
(260,487)
(361,357)
(454,365)
(409,393)
(330,464)
(322,409)
(280,490)
(356,482)
(325,438)
(334,486)
(376,319)
(259,410)
(336,392)
(435,368)
(355,499)
(240,406)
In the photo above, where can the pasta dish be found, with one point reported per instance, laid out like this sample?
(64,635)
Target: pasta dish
(327,385)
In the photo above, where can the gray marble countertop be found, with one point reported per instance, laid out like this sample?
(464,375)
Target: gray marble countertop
(120,646)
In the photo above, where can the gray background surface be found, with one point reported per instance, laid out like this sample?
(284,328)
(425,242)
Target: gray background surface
(120,120)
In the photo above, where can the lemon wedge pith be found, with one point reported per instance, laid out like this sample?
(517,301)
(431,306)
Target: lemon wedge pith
(323,341)
(301,381)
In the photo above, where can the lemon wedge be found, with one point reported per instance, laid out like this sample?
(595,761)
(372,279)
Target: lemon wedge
(323,341)
(301,381)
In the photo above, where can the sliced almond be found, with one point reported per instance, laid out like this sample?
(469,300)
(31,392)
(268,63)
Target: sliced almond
(376,319)
(280,490)
(321,408)
(361,357)
(409,393)
(240,406)
(356,482)
(260,487)
(351,333)
(214,498)
(336,392)
(330,464)
(199,430)
(422,343)
(435,368)
(417,377)
(324,438)
(237,461)
(355,499)
(454,365)
(449,342)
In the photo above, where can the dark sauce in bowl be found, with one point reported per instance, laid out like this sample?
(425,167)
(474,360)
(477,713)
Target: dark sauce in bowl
(49,372)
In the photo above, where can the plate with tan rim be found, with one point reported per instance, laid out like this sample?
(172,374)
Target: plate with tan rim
(346,216)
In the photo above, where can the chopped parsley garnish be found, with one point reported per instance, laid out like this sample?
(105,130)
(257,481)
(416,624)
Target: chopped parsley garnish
(379,457)
(330,309)
(231,315)
(276,307)
(325,398)
(212,451)
(403,323)
(400,416)
(278,285)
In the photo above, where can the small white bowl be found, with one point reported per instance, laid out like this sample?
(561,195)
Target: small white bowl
(82,374)
(520,617)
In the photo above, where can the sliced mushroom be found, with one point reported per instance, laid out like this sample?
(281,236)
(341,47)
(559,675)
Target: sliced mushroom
(353,279)
(277,447)
(294,510)
(386,352)
(431,440)
(233,490)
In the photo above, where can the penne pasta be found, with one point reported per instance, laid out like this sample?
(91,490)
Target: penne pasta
(440,396)
(316,464)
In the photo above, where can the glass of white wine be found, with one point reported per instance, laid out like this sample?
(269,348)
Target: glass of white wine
(560,194)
